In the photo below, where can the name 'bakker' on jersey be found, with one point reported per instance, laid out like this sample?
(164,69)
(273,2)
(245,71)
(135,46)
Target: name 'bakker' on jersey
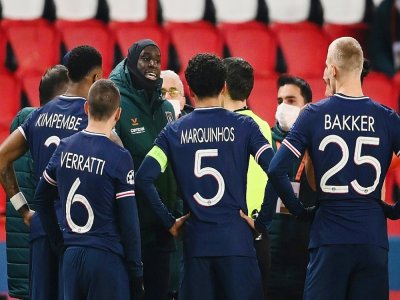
(349,122)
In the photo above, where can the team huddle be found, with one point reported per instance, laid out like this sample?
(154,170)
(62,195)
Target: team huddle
(120,174)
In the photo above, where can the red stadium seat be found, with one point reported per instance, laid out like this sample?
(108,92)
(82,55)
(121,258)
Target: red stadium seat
(192,38)
(89,32)
(317,86)
(380,88)
(304,46)
(263,98)
(10,93)
(359,31)
(127,33)
(253,42)
(30,85)
(3,44)
(35,43)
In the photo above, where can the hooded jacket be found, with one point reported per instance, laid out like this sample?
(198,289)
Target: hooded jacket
(144,115)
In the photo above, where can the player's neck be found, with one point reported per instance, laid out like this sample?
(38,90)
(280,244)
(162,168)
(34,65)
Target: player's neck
(77,89)
(350,87)
(234,105)
(208,102)
(100,127)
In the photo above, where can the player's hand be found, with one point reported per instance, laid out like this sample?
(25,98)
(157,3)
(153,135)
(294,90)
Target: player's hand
(177,227)
(248,220)
(137,289)
(27,217)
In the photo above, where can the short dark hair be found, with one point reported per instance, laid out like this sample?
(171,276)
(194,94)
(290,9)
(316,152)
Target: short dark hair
(54,82)
(365,69)
(303,85)
(239,78)
(205,75)
(81,61)
(103,99)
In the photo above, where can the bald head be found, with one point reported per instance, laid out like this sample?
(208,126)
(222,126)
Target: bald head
(103,99)
(172,87)
(346,54)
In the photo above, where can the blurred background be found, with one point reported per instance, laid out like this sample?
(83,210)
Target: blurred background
(275,36)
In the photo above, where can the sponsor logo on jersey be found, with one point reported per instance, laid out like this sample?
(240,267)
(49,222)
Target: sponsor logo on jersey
(170,116)
(130,178)
(136,129)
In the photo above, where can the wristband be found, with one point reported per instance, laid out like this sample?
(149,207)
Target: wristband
(18,200)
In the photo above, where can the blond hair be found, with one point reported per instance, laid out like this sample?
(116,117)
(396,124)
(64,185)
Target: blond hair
(346,54)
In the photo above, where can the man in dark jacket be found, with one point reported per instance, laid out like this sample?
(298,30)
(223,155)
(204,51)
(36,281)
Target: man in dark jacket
(144,115)
(54,82)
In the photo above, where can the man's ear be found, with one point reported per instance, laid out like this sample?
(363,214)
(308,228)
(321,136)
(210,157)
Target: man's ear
(334,70)
(118,114)
(86,107)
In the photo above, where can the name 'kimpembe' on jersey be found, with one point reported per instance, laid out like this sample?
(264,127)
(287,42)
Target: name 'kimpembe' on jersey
(95,172)
(352,147)
(209,150)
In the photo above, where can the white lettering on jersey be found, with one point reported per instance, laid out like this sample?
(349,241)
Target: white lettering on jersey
(208,135)
(79,162)
(349,122)
(58,121)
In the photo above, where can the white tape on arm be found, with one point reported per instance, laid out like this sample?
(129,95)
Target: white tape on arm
(18,200)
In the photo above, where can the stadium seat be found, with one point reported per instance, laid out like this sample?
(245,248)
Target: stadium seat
(30,85)
(380,88)
(183,10)
(359,31)
(22,9)
(344,11)
(128,10)
(76,10)
(304,46)
(192,38)
(288,11)
(36,44)
(263,98)
(253,42)
(127,33)
(317,85)
(3,50)
(90,32)
(238,11)
(10,95)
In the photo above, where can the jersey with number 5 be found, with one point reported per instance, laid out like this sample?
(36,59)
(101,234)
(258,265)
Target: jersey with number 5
(91,173)
(351,141)
(209,152)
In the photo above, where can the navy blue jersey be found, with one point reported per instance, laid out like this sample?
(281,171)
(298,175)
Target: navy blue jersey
(351,142)
(93,174)
(209,151)
(46,126)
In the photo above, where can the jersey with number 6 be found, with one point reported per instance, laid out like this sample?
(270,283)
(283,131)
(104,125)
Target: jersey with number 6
(45,127)
(209,152)
(350,141)
(91,174)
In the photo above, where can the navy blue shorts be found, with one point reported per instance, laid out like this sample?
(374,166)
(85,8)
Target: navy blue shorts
(90,273)
(235,277)
(356,272)
(43,270)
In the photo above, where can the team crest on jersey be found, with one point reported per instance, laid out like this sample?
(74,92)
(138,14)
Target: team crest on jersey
(170,116)
(136,129)
(130,178)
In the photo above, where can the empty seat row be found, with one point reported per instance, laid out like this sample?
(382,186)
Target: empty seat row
(287,11)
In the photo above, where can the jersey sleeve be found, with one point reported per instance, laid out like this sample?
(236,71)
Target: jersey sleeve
(50,173)
(297,139)
(27,126)
(162,140)
(125,184)
(258,144)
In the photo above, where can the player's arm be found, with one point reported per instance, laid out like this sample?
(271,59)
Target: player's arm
(152,166)
(11,149)
(45,194)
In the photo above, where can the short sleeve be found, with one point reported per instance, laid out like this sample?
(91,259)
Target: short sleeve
(297,139)
(125,181)
(26,127)
(50,173)
(257,142)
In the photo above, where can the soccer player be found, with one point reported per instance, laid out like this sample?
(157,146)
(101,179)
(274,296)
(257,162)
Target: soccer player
(41,133)
(350,139)
(209,151)
(95,180)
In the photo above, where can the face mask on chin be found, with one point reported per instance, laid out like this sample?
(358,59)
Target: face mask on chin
(286,115)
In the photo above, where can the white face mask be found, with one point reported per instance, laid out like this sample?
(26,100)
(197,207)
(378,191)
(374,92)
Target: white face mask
(397,4)
(286,115)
